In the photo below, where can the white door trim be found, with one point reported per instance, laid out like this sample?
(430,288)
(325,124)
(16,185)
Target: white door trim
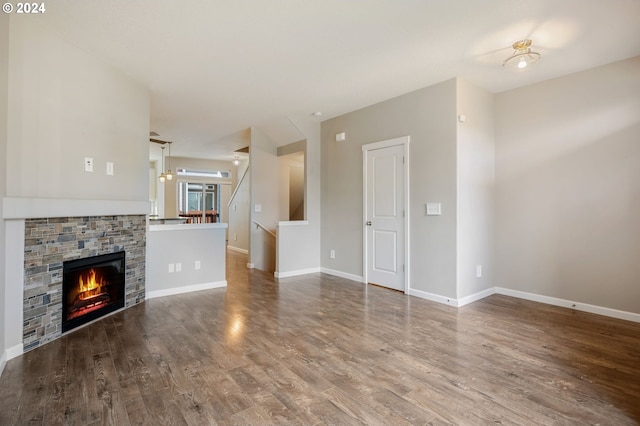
(404,141)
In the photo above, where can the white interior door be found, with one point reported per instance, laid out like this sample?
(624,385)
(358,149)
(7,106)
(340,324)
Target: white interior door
(385,215)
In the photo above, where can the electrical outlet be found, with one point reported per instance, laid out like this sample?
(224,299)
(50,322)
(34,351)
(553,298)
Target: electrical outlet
(235,237)
(172,268)
(88,164)
(197,264)
(332,254)
(178,267)
(478,271)
(109,168)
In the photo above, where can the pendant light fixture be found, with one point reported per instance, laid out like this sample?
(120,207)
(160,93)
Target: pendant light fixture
(522,56)
(236,160)
(169,174)
(162,177)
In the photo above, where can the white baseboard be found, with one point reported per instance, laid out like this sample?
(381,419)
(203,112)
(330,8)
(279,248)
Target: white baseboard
(476,296)
(186,289)
(15,351)
(342,275)
(585,307)
(578,306)
(237,249)
(10,353)
(296,273)
(3,362)
(433,297)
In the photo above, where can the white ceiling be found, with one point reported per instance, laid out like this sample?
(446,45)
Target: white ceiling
(215,68)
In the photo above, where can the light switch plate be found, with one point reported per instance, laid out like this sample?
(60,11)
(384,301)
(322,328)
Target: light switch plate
(433,209)
(109,168)
(258,208)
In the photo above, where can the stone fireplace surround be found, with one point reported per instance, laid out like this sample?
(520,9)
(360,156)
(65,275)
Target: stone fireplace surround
(48,242)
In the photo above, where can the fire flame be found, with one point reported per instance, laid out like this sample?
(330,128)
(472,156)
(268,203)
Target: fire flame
(92,286)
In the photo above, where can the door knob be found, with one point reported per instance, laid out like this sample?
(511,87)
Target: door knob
(368,223)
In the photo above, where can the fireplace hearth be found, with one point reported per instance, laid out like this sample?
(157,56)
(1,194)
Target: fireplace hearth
(91,288)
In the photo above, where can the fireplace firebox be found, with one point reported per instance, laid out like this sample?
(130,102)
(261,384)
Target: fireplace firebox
(91,288)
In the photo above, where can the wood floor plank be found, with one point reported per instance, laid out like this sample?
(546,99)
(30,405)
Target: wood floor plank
(195,409)
(319,349)
(137,411)
(107,389)
(356,408)
(226,397)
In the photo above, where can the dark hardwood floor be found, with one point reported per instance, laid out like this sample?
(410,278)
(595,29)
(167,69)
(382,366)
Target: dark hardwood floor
(322,350)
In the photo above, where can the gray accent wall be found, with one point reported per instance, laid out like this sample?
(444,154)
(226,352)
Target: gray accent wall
(568,187)
(428,116)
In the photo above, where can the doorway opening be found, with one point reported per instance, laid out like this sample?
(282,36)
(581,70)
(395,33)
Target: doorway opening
(292,178)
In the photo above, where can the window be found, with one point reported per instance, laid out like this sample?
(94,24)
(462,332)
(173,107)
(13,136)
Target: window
(199,202)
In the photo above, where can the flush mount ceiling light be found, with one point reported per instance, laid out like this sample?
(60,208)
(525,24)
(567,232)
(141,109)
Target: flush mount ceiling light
(522,56)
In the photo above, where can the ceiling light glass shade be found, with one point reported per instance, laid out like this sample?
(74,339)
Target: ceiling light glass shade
(163,176)
(169,175)
(522,56)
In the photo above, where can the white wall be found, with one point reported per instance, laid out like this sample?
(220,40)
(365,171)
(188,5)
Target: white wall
(311,130)
(292,256)
(263,158)
(298,247)
(184,245)
(476,189)
(65,105)
(568,187)
(428,116)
